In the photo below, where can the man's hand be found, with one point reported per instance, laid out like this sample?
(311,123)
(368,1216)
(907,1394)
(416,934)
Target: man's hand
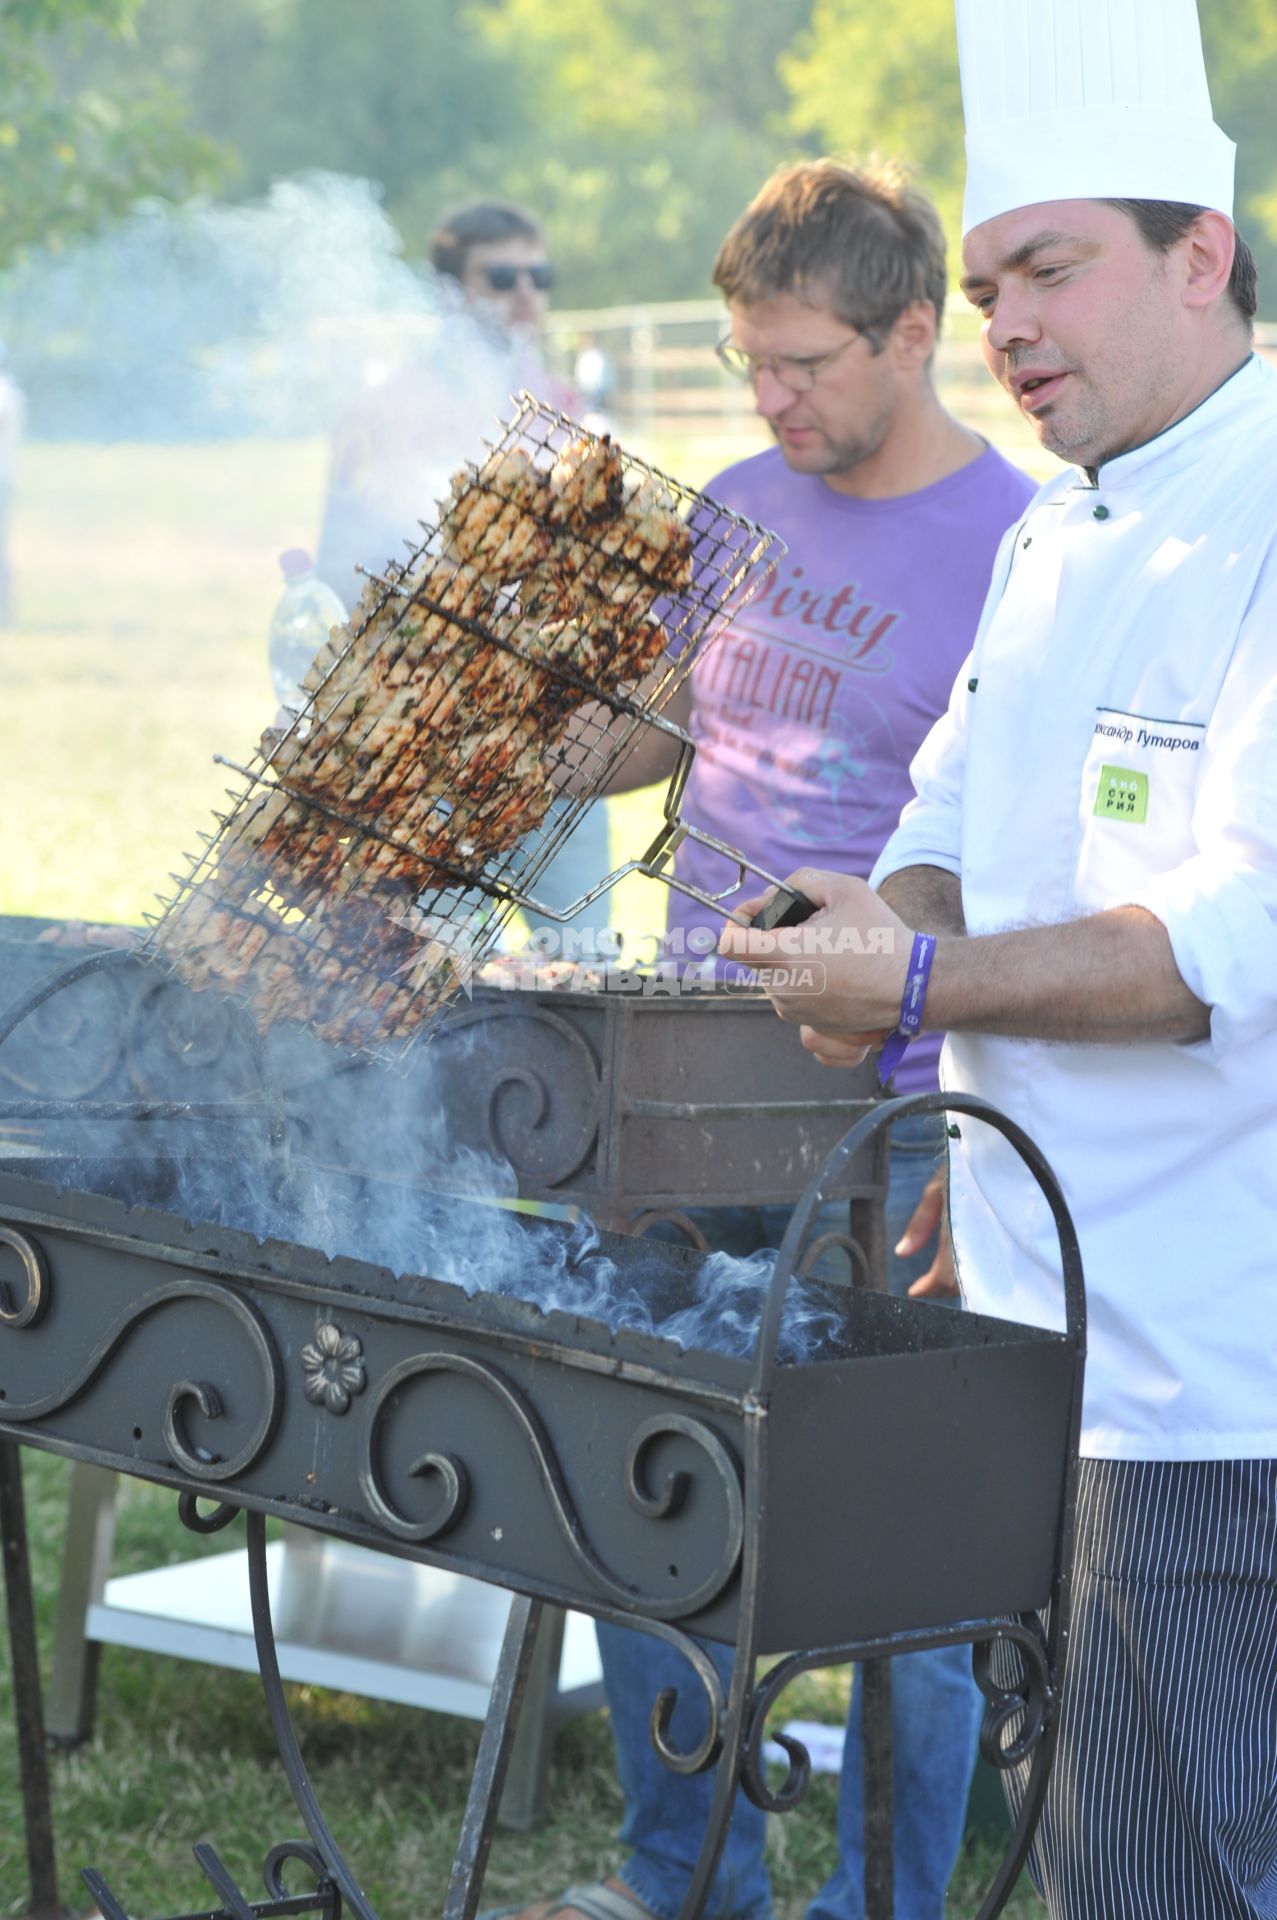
(839,975)
(930,1221)
(841,1049)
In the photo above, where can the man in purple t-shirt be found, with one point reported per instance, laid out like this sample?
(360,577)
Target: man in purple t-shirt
(806,715)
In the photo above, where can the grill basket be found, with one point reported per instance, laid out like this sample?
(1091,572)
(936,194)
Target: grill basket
(453,733)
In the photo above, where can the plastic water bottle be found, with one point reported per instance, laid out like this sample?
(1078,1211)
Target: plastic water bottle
(299,626)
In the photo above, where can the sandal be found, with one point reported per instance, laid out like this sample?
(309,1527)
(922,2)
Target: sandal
(599,1901)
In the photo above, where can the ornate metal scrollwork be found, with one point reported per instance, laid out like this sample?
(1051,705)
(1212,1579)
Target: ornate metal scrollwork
(174,1037)
(36,1271)
(326,1890)
(548,1131)
(643,1222)
(200,1465)
(814,1252)
(325,1900)
(452,1474)
(708,1748)
(188,1512)
(1027,1696)
(753,1774)
(1031,1694)
(65,1046)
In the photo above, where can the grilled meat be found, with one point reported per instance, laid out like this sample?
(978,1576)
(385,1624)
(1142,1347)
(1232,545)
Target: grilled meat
(425,749)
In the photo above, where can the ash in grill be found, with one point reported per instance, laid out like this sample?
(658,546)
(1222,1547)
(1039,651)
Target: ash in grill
(380,843)
(712,1302)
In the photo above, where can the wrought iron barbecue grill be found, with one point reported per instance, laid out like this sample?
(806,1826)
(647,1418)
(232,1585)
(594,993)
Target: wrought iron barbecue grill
(612,1472)
(634,1106)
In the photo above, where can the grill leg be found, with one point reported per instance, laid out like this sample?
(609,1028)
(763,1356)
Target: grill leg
(726,1781)
(285,1738)
(523,1801)
(86,1562)
(494,1757)
(874,1679)
(869,1230)
(24,1656)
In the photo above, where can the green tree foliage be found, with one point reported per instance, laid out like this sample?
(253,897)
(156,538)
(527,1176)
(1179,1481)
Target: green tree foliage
(394,91)
(653,126)
(72,156)
(859,78)
(1240,37)
(638,129)
(859,86)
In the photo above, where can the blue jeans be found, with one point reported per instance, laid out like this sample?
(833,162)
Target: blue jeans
(936,1706)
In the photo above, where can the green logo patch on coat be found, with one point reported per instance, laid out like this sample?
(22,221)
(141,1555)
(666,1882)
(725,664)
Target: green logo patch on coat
(1122,795)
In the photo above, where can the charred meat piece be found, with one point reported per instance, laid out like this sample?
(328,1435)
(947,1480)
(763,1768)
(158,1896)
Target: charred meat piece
(496,519)
(587,482)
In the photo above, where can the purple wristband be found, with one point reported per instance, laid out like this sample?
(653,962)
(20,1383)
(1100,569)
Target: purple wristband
(912,1002)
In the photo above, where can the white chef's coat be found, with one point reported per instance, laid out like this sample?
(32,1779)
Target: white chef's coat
(1113,740)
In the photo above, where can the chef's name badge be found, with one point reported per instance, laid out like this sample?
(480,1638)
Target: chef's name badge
(1122,795)
(1122,789)
(1140,772)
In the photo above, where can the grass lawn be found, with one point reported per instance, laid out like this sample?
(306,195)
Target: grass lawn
(144,581)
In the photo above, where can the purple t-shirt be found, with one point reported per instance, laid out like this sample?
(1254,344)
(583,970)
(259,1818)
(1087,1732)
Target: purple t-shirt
(807,711)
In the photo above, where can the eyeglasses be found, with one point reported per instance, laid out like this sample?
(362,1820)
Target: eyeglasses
(799,375)
(504,279)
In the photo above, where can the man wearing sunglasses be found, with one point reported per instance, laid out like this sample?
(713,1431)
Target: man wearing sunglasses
(496,255)
(806,714)
(396,449)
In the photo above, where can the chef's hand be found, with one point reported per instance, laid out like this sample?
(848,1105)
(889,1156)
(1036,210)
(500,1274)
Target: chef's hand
(930,1221)
(840,975)
(841,1049)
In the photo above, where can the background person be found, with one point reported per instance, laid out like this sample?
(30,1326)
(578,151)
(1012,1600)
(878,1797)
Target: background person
(1094,844)
(806,713)
(394,454)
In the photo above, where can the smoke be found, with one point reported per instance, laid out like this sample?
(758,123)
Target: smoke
(713,1302)
(366,1165)
(439,1210)
(207,320)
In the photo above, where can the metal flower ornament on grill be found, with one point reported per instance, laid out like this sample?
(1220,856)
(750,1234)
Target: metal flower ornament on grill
(375,849)
(332,1364)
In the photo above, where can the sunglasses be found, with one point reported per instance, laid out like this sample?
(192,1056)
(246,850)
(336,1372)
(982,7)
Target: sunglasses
(503,279)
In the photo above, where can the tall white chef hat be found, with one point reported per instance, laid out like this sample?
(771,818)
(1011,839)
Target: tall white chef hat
(1087,100)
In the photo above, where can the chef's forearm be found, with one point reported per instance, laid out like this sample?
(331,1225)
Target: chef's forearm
(1109,978)
(928,898)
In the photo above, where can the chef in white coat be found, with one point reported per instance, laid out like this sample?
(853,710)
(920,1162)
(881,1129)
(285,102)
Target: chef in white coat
(1084,895)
